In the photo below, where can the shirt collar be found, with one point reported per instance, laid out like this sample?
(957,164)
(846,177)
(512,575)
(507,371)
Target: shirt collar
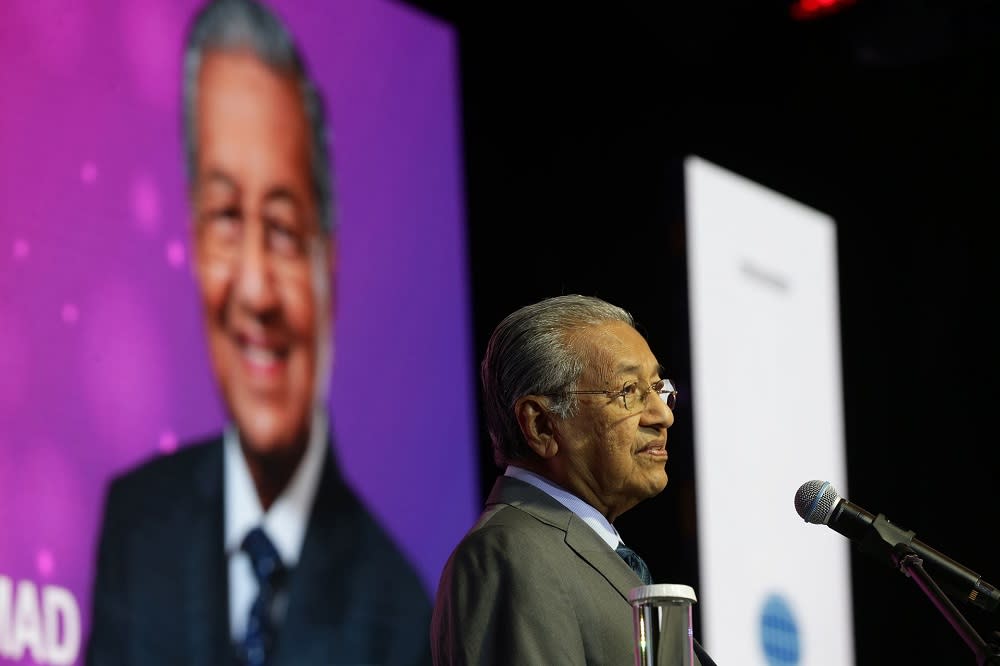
(285,522)
(586,512)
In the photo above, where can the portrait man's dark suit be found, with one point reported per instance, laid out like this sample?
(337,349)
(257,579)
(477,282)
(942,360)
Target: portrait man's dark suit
(161,589)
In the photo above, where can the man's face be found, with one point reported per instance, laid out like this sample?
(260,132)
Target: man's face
(616,457)
(261,260)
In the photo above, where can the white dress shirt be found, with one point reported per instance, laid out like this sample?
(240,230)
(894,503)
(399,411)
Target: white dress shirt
(284,522)
(586,512)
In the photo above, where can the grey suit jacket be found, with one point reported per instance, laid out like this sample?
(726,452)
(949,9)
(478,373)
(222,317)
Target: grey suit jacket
(531,583)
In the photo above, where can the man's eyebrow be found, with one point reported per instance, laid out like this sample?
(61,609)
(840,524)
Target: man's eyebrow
(633,368)
(280,194)
(216,176)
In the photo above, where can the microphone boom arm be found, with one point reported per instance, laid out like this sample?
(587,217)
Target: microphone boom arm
(909,562)
(883,532)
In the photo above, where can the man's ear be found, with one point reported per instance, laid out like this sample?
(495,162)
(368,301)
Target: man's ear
(537,425)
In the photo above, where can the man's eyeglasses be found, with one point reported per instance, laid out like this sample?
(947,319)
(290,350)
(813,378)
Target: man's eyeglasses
(633,396)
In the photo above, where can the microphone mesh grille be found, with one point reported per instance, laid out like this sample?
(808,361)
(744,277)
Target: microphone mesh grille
(814,501)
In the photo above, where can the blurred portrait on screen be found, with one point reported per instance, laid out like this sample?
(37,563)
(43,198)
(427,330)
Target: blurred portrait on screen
(251,545)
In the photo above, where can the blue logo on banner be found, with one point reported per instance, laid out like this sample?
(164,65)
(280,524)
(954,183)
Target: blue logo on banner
(779,636)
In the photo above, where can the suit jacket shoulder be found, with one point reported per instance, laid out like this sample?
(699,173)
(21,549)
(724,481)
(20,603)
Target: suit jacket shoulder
(159,594)
(532,583)
(158,482)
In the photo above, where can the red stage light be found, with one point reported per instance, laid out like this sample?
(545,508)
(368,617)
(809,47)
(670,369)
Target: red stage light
(809,9)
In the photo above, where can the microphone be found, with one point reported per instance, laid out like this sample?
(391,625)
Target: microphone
(817,502)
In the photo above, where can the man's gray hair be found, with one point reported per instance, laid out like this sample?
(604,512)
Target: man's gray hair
(532,352)
(235,25)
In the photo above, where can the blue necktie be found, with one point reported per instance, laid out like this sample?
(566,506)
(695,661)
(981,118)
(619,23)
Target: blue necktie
(257,646)
(633,560)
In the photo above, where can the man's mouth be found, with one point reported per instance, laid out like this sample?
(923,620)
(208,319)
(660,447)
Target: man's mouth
(655,451)
(261,356)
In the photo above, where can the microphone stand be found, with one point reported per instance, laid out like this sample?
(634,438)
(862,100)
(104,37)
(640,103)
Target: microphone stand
(913,567)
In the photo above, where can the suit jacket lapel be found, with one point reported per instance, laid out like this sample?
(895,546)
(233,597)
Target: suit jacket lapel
(206,587)
(592,548)
(307,631)
(580,537)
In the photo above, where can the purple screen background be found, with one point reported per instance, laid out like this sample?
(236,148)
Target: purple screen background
(102,356)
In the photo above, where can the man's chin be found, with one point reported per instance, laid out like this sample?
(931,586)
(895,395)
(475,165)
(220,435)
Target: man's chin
(658,484)
(266,441)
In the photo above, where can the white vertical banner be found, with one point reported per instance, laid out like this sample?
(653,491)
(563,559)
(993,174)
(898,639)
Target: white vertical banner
(768,416)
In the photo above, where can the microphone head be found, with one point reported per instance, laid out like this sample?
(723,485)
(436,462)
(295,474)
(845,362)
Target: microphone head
(815,501)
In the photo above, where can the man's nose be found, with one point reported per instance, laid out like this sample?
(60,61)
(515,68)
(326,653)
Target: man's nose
(255,287)
(656,412)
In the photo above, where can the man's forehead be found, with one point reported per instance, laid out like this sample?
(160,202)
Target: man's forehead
(240,66)
(248,116)
(614,349)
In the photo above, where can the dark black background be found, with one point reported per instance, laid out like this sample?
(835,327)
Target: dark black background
(884,115)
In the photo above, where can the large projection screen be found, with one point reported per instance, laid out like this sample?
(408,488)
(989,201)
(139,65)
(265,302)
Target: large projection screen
(768,416)
(103,359)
